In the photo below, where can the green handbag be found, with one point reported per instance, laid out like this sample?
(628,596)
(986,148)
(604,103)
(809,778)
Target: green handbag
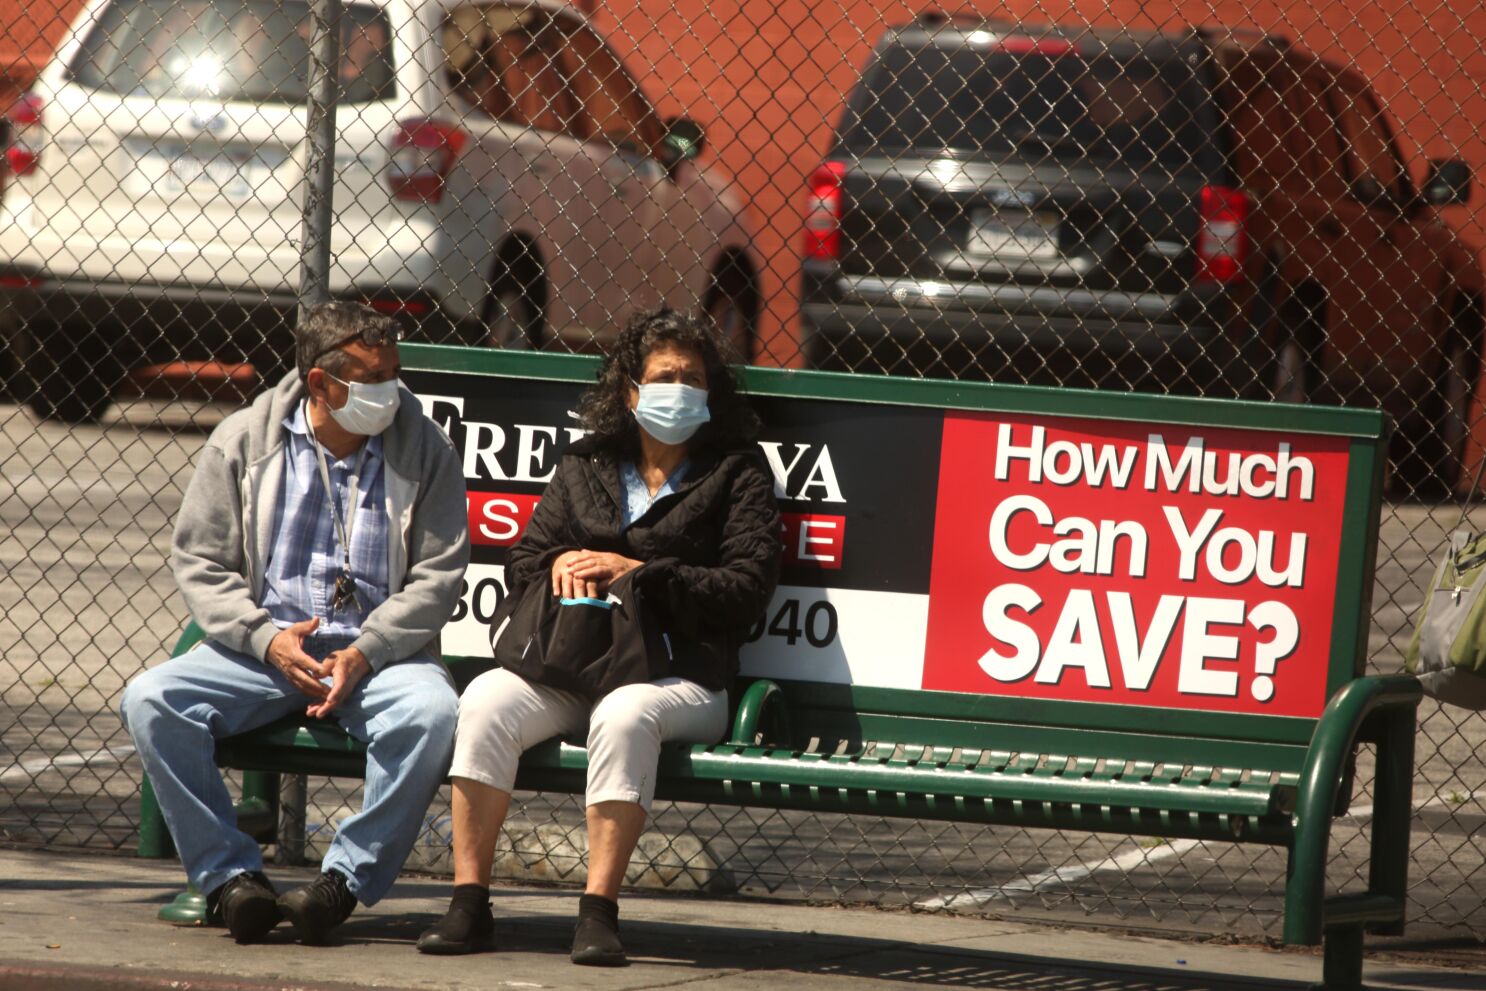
(1448,649)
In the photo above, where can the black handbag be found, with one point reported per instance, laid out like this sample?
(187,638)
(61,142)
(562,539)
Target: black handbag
(586,646)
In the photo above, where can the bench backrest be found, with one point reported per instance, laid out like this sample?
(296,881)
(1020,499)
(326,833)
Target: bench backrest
(1049,571)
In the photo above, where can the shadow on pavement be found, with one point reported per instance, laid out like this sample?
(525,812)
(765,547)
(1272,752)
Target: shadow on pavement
(815,960)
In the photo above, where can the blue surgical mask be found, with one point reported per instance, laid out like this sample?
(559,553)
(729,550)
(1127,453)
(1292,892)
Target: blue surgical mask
(671,412)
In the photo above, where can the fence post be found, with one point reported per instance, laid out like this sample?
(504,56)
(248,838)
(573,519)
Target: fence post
(292,824)
(319,159)
(322,95)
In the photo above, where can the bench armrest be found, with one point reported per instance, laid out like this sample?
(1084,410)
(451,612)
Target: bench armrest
(1387,705)
(190,637)
(760,710)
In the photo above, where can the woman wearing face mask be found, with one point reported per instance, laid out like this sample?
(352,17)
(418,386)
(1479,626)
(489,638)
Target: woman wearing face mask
(670,489)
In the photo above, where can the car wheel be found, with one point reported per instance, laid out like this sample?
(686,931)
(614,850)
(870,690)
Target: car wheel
(512,320)
(1440,445)
(730,308)
(63,378)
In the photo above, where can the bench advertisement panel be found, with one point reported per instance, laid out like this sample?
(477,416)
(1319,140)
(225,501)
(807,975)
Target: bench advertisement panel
(1011,554)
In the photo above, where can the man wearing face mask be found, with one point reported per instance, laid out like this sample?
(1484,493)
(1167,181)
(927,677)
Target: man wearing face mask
(320,546)
(669,504)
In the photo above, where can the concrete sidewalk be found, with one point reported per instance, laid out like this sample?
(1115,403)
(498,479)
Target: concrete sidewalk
(84,922)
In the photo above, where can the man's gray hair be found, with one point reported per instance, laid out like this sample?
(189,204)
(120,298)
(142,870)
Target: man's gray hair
(326,326)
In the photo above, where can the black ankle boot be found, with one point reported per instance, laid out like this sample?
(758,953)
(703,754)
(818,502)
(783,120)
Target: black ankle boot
(596,940)
(318,907)
(246,906)
(468,926)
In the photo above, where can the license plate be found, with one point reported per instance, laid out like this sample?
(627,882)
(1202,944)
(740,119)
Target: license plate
(234,173)
(1013,234)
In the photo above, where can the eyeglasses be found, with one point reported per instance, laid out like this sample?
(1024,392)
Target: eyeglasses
(372,337)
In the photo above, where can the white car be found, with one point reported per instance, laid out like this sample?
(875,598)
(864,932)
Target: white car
(500,179)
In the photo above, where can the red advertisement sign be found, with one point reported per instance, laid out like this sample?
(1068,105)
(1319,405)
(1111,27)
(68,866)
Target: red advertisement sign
(1136,564)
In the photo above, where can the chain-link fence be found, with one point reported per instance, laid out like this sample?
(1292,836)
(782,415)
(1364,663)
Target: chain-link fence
(1276,203)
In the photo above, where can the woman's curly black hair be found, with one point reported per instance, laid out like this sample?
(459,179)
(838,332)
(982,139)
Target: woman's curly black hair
(604,408)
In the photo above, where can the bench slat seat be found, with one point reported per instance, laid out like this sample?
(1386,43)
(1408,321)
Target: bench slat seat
(1140,804)
(931,761)
(737,775)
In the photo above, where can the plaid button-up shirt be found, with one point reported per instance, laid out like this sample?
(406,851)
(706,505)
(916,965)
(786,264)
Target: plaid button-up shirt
(306,557)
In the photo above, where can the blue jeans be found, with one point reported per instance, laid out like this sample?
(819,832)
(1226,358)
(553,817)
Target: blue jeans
(405,713)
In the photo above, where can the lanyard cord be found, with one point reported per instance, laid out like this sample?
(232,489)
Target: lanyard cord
(342,530)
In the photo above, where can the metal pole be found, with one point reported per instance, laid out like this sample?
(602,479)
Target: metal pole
(319,157)
(323,88)
(293,799)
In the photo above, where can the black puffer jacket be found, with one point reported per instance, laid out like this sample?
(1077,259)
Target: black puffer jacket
(711,550)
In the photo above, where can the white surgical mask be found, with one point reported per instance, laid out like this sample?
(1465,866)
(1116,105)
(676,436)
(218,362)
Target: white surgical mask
(671,412)
(370,406)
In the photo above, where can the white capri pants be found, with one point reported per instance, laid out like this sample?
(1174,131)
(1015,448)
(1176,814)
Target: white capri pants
(502,714)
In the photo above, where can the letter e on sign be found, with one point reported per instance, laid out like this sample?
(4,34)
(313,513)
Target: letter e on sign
(814,540)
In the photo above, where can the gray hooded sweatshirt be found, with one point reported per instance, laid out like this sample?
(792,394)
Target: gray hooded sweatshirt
(225,528)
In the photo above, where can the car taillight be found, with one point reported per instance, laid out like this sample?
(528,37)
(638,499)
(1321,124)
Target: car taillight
(1222,237)
(27,135)
(1017,44)
(395,305)
(823,212)
(421,157)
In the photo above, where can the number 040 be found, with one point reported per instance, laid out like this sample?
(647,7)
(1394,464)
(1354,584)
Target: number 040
(818,629)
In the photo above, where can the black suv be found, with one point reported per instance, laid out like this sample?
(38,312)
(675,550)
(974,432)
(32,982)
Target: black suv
(1204,210)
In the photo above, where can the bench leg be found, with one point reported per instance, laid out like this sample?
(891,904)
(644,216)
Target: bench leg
(258,809)
(1393,809)
(257,815)
(154,835)
(188,909)
(1341,967)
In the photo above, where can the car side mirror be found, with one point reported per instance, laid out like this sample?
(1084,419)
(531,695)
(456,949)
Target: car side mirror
(1449,183)
(685,139)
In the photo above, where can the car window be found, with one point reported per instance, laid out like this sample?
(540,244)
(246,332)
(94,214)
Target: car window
(249,50)
(615,111)
(538,91)
(479,80)
(1064,104)
(1320,135)
(1269,138)
(1370,155)
(504,61)
(472,63)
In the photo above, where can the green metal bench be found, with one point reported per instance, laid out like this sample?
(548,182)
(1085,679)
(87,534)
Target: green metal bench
(1073,765)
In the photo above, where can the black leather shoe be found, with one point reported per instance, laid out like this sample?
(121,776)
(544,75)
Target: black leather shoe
(246,906)
(318,907)
(596,940)
(460,931)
